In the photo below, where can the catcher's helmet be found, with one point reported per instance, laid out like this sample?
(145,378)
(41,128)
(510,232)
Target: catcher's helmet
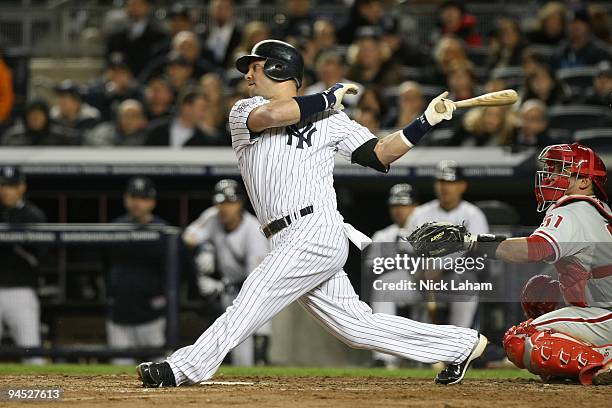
(563,161)
(283,61)
(227,190)
(402,194)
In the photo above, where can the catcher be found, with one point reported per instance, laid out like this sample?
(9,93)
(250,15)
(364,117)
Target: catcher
(575,341)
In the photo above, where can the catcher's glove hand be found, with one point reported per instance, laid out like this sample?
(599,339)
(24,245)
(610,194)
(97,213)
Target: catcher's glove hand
(436,239)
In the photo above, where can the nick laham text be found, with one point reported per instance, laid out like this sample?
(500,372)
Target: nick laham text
(431,285)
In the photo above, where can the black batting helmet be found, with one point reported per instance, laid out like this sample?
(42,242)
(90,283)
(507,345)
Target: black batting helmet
(283,61)
(228,190)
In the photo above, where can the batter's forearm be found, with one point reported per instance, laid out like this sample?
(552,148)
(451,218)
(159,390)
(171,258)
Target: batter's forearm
(277,113)
(392,147)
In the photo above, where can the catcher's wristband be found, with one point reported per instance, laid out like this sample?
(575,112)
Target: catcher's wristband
(490,241)
(417,129)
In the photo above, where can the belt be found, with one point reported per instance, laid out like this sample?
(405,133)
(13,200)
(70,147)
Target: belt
(281,223)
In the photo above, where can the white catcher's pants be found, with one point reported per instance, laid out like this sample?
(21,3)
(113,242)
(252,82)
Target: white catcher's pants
(306,265)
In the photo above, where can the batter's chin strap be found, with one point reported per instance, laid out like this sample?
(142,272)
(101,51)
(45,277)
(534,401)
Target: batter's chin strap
(485,245)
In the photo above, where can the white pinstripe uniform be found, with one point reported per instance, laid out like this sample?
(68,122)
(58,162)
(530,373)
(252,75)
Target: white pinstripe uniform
(581,239)
(286,169)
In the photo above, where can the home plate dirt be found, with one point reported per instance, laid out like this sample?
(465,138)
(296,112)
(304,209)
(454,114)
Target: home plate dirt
(125,391)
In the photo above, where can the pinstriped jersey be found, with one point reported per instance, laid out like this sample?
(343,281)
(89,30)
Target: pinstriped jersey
(288,168)
(581,238)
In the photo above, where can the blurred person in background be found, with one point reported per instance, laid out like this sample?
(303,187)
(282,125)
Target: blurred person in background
(324,35)
(227,245)
(7,95)
(179,71)
(158,98)
(369,60)
(533,126)
(19,304)
(127,130)
(369,119)
(485,126)
(363,13)
(178,19)
(602,86)
(543,85)
(371,99)
(135,280)
(461,80)
(582,48)
(551,27)
(506,48)
(223,34)
(330,69)
(447,50)
(215,115)
(454,20)
(74,116)
(403,51)
(254,32)
(296,20)
(411,103)
(531,61)
(116,85)
(35,128)
(600,23)
(137,42)
(181,129)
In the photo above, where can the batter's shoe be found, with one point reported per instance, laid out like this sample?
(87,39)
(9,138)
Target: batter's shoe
(603,377)
(155,375)
(454,373)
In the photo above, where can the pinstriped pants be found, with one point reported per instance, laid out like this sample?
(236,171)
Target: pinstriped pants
(305,265)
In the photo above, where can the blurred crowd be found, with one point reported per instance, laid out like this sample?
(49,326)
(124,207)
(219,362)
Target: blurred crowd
(171,81)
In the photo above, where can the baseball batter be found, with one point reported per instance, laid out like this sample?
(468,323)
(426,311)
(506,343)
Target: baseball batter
(576,236)
(229,242)
(285,147)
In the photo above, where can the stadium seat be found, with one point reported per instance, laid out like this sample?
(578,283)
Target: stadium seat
(546,51)
(411,73)
(577,78)
(598,139)
(576,117)
(513,76)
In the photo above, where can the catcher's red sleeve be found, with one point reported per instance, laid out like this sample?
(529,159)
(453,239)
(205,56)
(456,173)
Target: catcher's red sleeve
(538,249)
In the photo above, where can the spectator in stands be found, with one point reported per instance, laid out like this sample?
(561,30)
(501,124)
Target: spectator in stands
(179,71)
(369,60)
(372,99)
(223,34)
(297,20)
(582,48)
(369,119)
(507,45)
(550,28)
(116,85)
(254,32)
(178,19)
(600,23)
(330,68)
(495,84)
(461,80)
(35,129)
(454,20)
(364,13)
(485,126)
(137,41)
(127,130)
(181,130)
(159,98)
(213,121)
(73,115)
(448,49)
(324,35)
(531,61)
(602,86)
(543,85)
(19,305)
(404,52)
(185,44)
(7,95)
(411,103)
(136,279)
(533,126)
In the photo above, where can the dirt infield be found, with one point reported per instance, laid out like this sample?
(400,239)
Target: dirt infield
(124,391)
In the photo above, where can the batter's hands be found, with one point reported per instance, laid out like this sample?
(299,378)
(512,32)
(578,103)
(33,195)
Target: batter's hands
(333,96)
(434,117)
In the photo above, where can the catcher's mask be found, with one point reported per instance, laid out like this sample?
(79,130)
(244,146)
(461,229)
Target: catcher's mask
(560,163)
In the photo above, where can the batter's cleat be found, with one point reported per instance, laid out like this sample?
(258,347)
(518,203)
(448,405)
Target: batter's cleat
(155,375)
(603,377)
(454,373)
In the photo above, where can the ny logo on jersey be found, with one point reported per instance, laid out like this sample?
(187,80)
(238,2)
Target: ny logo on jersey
(302,135)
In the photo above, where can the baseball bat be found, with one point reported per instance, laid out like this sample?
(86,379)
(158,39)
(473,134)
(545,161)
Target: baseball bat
(499,98)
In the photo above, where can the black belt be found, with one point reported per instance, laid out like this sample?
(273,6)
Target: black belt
(277,225)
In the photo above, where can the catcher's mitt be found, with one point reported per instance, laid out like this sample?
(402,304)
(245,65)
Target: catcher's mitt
(436,239)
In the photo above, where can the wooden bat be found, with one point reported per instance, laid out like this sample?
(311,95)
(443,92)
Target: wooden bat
(499,98)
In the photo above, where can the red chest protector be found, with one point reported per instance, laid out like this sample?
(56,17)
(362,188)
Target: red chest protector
(573,277)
